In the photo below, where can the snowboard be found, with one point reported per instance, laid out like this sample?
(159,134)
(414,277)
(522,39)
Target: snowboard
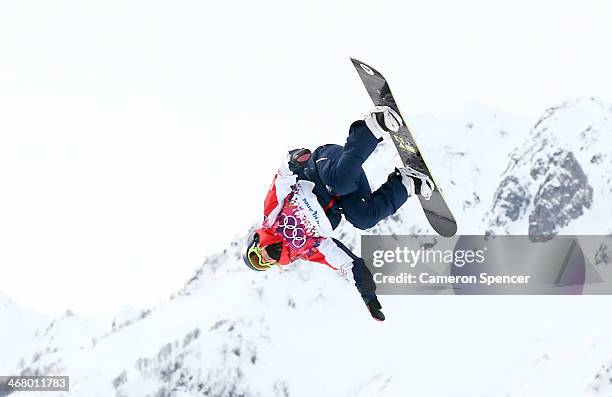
(436,210)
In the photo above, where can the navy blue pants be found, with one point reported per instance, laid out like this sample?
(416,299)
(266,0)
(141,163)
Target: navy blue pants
(339,168)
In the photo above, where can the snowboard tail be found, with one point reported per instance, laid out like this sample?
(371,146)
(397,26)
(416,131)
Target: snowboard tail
(436,210)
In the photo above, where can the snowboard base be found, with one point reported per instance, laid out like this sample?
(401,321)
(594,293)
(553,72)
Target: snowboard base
(436,210)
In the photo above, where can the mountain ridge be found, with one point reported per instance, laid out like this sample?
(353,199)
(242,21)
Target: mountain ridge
(231,332)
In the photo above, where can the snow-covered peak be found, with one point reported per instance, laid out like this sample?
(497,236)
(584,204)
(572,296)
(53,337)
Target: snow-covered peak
(558,179)
(69,331)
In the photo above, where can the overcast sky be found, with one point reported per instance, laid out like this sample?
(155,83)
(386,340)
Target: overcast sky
(136,137)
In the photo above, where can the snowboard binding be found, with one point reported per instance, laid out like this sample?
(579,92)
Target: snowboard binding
(418,182)
(383,120)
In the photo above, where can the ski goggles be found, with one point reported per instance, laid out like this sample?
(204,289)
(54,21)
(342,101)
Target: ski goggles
(255,258)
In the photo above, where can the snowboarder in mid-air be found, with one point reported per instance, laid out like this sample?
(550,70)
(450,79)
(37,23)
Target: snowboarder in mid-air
(311,192)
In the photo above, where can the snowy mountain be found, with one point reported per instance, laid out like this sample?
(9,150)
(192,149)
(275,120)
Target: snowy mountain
(304,331)
(469,151)
(558,180)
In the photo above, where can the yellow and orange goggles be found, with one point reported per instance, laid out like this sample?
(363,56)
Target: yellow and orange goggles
(255,257)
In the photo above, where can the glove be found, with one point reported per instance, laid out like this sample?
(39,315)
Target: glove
(395,173)
(374,307)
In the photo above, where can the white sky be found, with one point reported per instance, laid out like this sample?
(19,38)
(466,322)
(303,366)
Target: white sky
(136,137)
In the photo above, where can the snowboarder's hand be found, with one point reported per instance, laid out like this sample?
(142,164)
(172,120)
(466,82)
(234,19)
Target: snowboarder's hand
(374,307)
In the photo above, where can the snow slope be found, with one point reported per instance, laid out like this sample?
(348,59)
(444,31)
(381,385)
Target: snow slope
(17,328)
(304,331)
